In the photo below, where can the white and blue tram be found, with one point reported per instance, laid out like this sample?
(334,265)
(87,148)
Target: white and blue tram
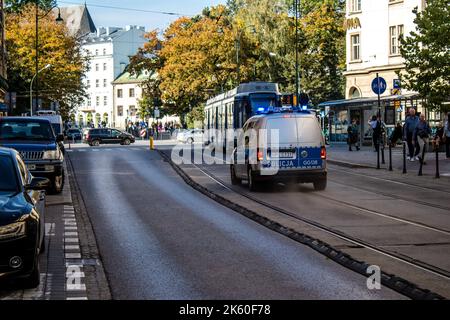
(230,110)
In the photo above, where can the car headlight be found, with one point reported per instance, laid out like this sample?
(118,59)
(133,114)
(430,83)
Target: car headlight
(51,155)
(14,230)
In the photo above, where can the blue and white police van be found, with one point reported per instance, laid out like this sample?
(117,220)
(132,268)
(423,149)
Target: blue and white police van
(280,146)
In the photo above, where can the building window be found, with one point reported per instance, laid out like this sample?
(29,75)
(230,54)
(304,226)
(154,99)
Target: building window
(104,67)
(97,83)
(97,101)
(96,52)
(131,92)
(105,83)
(395,33)
(119,93)
(132,111)
(355,5)
(355,47)
(88,84)
(104,52)
(120,111)
(88,101)
(96,67)
(105,100)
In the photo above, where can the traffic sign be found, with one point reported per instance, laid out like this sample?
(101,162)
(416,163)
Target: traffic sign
(382,87)
(143,133)
(397,84)
(157,114)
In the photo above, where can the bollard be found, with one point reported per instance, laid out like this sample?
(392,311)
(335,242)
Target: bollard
(437,176)
(422,160)
(390,156)
(382,152)
(152,145)
(404,157)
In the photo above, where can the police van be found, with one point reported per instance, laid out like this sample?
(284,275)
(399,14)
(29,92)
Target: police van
(288,147)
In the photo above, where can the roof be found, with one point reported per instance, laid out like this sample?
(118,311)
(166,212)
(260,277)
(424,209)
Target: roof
(366,101)
(78,20)
(127,78)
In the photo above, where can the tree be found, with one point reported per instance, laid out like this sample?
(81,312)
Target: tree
(19,5)
(427,54)
(63,81)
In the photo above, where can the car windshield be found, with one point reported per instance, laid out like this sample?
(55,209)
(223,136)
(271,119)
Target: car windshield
(8,179)
(26,130)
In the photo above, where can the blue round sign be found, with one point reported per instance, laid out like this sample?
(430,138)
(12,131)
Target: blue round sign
(382,85)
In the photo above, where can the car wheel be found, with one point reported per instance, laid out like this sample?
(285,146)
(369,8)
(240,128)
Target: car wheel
(127,142)
(57,184)
(34,279)
(234,179)
(95,143)
(320,185)
(252,185)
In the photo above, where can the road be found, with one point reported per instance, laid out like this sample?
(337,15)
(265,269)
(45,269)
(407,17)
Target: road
(161,239)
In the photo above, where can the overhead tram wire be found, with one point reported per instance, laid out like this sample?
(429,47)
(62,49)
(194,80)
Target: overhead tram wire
(130,9)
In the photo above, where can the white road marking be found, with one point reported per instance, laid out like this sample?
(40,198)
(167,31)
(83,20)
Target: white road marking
(71,240)
(71,234)
(73,255)
(49,229)
(72,247)
(76,298)
(76,287)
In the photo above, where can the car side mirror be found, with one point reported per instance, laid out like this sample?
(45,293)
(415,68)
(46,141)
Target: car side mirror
(60,138)
(38,184)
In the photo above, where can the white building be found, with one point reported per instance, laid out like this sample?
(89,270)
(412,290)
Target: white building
(109,50)
(373,29)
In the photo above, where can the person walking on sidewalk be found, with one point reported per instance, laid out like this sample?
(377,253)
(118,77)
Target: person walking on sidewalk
(421,136)
(377,126)
(446,136)
(396,135)
(408,134)
(353,134)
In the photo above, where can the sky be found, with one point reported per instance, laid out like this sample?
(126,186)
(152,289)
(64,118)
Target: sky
(104,17)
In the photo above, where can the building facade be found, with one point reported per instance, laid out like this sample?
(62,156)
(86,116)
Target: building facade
(109,50)
(3,78)
(373,29)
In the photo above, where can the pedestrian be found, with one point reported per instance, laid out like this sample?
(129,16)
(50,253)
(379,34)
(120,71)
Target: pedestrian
(376,125)
(352,138)
(396,135)
(438,136)
(421,136)
(446,136)
(408,132)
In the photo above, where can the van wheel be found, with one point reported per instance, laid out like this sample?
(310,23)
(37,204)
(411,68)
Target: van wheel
(57,184)
(252,185)
(234,179)
(320,185)
(95,143)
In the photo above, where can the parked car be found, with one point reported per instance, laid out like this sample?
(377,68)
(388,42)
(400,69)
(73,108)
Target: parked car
(22,211)
(38,145)
(190,136)
(95,137)
(74,134)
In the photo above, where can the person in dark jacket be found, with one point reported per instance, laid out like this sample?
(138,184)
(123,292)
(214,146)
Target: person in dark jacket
(408,134)
(421,136)
(396,135)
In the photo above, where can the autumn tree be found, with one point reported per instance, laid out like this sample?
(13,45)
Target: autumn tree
(63,81)
(18,5)
(427,54)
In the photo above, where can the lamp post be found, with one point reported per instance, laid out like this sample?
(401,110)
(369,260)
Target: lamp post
(31,88)
(59,20)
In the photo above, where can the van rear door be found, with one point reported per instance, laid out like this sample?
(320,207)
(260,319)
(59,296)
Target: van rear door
(285,152)
(310,143)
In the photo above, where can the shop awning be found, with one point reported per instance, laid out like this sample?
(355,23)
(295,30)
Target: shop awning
(363,102)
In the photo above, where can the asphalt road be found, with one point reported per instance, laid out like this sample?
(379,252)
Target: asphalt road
(160,239)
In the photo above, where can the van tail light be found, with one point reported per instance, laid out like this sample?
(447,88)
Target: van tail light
(323,153)
(260,155)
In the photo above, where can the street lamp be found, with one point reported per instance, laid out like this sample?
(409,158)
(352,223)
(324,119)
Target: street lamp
(31,88)
(59,20)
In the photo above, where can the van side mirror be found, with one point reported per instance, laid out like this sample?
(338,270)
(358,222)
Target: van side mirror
(60,138)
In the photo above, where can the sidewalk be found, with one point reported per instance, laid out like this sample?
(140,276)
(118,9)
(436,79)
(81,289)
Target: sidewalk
(366,157)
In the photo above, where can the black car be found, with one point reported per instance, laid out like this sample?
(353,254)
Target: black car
(74,134)
(22,205)
(38,145)
(95,137)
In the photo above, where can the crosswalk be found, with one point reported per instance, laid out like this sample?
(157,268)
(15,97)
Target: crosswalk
(85,150)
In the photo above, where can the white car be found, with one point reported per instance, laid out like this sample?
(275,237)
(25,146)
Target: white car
(190,136)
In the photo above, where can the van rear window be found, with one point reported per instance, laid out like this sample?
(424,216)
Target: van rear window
(308,131)
(287,128)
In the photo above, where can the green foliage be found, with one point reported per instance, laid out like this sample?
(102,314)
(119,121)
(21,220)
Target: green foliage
(19,5)
(427,54)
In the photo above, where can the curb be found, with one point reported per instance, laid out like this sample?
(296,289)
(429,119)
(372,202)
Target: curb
(98,288)
(350,164)
(391,281)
